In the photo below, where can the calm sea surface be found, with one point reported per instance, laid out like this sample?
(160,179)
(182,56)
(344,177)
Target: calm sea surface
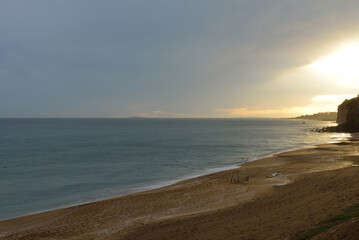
(51,163)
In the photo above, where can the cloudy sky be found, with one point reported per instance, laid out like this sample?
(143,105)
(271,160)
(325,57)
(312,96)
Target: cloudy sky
(187,58)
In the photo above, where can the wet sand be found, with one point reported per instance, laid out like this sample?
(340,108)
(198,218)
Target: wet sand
(312,184)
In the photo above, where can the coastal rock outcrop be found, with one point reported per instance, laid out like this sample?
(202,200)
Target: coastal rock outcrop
(342,112)
(351,110)
(348,117)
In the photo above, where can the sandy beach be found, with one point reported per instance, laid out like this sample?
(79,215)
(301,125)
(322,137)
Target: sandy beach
(313,184)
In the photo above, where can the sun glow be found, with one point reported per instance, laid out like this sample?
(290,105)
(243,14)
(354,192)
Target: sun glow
(343,65)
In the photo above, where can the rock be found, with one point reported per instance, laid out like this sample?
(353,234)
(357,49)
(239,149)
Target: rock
(347,118)
(342,112)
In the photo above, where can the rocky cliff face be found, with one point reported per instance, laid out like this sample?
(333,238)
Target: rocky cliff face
(342,112)
(348,115)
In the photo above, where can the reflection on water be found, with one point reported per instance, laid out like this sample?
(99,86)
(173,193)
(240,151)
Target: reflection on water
(51,163)
(338,137)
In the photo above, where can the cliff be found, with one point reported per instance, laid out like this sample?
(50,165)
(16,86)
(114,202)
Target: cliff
(348,115)
(342,112)
(351,123)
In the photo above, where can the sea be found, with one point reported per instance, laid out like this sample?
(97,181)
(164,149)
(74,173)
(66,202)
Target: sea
(47,164)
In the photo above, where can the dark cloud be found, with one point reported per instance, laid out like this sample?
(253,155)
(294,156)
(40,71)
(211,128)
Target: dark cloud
(118,58)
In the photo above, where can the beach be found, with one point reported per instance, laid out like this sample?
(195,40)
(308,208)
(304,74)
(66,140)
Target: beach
(312,184)
(179,120)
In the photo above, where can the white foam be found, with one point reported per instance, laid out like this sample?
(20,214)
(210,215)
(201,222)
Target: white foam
(163,183)
(182,178)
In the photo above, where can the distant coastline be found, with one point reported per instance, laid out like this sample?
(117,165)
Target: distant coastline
(136,117)
(322,116)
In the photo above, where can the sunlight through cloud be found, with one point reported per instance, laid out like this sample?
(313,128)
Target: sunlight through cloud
(343,65)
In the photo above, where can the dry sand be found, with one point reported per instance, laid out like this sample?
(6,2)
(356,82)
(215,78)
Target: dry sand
(312,184)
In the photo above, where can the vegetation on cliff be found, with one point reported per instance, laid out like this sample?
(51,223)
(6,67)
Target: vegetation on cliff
(322,116)
(323,226)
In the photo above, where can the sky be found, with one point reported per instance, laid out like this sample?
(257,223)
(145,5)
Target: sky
(166,58)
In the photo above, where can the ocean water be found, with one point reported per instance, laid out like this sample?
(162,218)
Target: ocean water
(51,163)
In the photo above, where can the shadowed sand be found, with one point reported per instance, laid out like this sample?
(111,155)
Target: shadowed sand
(312,184)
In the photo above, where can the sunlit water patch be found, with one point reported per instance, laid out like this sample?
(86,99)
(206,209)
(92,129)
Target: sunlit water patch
(51,163)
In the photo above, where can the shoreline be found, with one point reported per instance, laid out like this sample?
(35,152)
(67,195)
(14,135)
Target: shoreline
(155,186)
(126,215)
(166,183)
